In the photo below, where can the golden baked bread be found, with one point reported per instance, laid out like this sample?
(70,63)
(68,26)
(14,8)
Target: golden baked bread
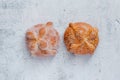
(81,38)
(42,40)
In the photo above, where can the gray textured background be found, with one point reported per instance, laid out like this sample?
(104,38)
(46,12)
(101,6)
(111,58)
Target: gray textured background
(18,15)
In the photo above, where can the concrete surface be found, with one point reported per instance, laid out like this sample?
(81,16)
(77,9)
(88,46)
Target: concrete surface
(18,15)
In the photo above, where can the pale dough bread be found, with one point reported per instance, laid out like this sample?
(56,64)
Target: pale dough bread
(42,40)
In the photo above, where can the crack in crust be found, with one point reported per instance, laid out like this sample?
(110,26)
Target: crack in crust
(42,40)
(81,38)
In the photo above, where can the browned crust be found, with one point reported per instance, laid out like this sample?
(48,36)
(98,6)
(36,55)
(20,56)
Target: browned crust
(81,38)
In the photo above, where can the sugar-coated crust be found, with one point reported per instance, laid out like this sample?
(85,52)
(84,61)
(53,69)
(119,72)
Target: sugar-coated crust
(42,40)
(81,38)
